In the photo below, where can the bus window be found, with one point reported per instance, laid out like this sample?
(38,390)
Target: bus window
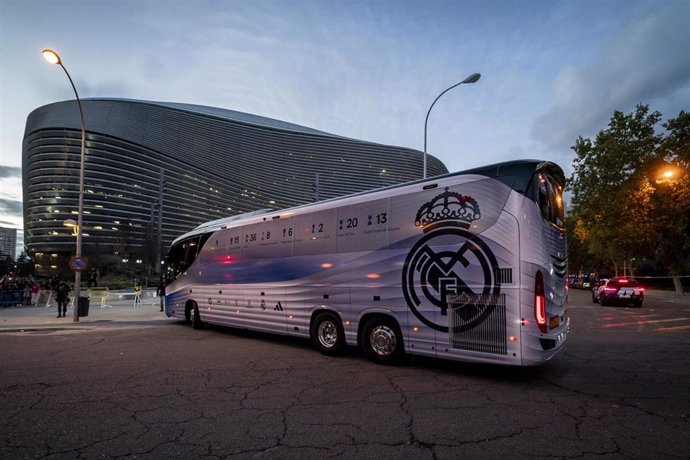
(202,241)
(550,199)
(175,260)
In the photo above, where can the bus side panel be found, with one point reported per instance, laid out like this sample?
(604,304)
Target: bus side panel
(541,243)
(262,312)
(303,300)
(488,330)
(221,307)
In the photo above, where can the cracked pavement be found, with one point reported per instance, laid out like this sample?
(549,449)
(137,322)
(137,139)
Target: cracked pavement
(164,390)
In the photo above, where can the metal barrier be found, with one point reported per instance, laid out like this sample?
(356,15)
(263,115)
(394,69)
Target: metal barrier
(104,298)
(12,298)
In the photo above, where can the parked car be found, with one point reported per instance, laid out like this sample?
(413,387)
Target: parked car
(622,291)
(597,288)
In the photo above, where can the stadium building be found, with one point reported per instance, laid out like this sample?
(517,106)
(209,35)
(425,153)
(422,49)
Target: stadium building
(154,170)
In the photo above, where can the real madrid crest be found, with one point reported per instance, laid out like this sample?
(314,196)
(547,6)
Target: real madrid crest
(449,259)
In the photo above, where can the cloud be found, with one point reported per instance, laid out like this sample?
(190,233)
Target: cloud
(11,212)
(11,197)
(10,208)
(644,62)
(10,172)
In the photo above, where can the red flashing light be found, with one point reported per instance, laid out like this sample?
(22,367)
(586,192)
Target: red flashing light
(225,259)
(623,280)
(539,302)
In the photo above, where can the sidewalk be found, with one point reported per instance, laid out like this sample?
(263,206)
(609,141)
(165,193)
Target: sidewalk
(118,314)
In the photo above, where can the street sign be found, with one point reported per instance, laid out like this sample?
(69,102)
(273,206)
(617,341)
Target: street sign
(78,264)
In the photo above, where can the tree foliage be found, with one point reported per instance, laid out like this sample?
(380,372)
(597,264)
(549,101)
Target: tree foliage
(621,209)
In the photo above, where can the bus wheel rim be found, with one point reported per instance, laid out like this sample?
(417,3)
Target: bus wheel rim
(382,340)
(328,334)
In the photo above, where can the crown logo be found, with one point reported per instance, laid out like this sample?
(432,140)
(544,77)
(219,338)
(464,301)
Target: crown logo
(448,208)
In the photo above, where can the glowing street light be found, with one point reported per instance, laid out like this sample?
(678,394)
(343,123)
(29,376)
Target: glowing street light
(667,175)
(471,79)
(54,58)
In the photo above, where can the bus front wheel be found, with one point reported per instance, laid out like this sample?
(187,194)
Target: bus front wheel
(382,340)
(327,333)
(192,316)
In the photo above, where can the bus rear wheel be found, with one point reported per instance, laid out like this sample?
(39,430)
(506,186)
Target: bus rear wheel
(327,333)
(382,340)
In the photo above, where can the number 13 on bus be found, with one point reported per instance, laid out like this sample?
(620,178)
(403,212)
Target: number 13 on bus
(469,266)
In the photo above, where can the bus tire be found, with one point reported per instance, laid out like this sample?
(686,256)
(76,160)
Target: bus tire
(382,341)
(327,333)
(196,318)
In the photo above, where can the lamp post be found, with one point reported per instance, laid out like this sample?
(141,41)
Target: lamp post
(471,79)
(52,57)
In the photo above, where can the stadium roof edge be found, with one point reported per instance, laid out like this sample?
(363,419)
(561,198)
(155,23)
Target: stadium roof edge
(234,115)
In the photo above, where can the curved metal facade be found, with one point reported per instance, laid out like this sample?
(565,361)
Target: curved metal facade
(155,170)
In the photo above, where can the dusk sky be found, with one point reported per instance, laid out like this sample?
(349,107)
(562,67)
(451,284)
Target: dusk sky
(551,70)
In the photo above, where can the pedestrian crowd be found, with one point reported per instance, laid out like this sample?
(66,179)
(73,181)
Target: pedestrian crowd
(26,291)
(29,291)
(32,292)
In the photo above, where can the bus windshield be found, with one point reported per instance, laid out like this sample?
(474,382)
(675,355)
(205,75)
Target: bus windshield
(183,254)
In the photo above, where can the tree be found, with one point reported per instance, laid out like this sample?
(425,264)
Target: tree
(610,193)
(620,210)
(672,198)
(25,264)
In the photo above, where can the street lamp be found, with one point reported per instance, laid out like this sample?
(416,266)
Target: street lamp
(52,57)
(471,79)
(667,174)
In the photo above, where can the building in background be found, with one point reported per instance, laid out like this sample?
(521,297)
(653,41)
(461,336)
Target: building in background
(155,170)
(8,243)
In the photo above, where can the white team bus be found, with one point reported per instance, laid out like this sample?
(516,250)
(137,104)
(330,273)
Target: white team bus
(467,266)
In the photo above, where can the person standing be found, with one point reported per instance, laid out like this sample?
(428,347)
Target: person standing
(160,292)
(62,298)
(137,294)
(27,293)
(35,293)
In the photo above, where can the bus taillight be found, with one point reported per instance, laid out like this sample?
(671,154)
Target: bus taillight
(540,302)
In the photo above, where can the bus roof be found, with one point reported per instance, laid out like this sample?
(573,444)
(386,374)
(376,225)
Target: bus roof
(515,174)
(518,173)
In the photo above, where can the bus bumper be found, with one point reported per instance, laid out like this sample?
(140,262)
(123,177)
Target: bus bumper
(540,348)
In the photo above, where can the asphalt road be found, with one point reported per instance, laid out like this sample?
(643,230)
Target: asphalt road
(158,389)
